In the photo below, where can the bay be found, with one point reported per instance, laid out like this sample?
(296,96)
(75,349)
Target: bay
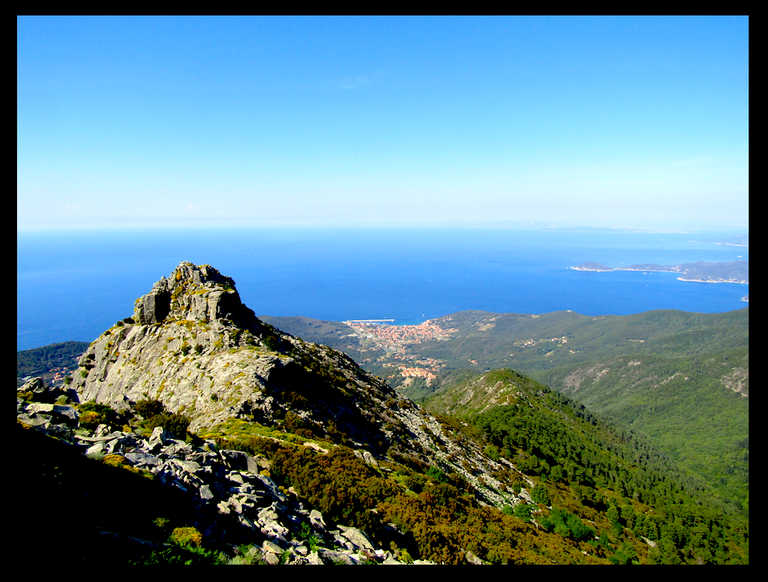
(71,285)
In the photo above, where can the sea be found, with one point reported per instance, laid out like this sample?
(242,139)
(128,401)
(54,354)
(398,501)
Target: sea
(72,285)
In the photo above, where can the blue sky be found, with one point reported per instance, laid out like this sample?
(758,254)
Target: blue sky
(575,121)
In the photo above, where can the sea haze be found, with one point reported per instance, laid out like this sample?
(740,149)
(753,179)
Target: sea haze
(74,285)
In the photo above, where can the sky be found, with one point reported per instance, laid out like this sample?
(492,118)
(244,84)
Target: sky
(621,122)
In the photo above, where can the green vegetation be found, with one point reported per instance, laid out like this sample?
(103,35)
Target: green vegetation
(589,468)
(435,516)
(681,378)
(155,414)
(683,404)
(93,414)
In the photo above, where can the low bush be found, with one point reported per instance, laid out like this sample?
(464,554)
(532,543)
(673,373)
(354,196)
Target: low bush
(93,414)
(155,414)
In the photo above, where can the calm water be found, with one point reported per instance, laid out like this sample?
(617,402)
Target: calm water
(72,286)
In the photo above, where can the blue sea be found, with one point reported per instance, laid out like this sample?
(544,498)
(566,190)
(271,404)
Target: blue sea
(72,285)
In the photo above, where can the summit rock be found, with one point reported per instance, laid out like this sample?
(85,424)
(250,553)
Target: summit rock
(195,293)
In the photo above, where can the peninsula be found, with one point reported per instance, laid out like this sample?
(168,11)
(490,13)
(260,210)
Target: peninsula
(702,272)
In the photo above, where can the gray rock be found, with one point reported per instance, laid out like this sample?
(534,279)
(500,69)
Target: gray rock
(472,558)
(316,519)
(96,450)
(68,413)
(206,493)
(139,459)
(39,407)
(335,557)
(271,547)
(358,539)
(33,421)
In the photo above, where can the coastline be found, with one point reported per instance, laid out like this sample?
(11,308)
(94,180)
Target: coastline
(688,272)
(711,281)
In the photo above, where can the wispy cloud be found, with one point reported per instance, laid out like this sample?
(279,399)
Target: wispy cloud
(355,82)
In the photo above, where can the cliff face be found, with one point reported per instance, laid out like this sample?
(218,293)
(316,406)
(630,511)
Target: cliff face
(193,345)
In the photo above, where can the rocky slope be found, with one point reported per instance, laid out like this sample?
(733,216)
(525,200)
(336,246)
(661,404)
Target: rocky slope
(225,494)
(194,346)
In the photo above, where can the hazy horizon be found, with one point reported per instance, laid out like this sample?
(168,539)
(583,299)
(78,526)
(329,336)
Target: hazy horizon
(524,122)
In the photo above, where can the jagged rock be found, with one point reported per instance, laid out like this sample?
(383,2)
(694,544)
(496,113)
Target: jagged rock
(358,539)
(33,421)
(271,547)
(336,557)
(316,519)
(41,392)
(314,559)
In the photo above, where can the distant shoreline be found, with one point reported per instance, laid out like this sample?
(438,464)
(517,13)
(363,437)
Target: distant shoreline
(701,272)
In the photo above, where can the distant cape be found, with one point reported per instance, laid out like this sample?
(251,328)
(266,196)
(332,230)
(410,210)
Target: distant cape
(728,272)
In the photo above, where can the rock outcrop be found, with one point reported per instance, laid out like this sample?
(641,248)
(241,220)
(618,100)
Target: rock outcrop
(196,293)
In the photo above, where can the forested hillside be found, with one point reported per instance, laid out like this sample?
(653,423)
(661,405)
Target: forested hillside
(592,468)
(681,377)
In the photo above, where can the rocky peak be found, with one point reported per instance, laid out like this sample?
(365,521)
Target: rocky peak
(196,293)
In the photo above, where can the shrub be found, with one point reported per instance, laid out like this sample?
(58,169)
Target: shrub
(186,536)
(173,422)
(540,494)
(155,414)
(567,524)
(93,414)
(523,512)
(149,408)
(272,343)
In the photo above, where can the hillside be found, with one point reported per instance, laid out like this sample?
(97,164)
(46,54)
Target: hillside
(288,452)
(579,457)
(681,377)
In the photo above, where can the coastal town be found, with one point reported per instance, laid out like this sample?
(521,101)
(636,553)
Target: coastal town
(394,339)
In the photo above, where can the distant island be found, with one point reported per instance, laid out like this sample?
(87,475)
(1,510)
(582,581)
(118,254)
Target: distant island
(590,266)
(729,272)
